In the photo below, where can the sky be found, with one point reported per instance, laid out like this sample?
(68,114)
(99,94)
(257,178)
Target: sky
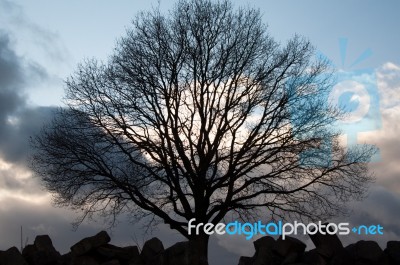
(42,41)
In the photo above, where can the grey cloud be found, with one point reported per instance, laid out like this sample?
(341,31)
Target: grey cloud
(16,72)
(15,145)
(381,207)
(17,120)
(387,170)
(11,74)
(18,180)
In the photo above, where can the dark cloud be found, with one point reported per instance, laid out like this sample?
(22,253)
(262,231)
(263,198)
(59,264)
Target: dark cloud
(17,120)
(16,72)
(11,70)
(381,207)
(15,143)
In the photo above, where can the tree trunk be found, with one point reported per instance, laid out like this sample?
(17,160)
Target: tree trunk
(199,249)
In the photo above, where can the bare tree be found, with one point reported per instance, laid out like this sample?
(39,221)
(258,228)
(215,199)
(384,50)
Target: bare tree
(201,114)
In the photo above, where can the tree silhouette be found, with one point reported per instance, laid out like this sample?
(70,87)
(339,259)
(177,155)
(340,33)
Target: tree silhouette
(201,114)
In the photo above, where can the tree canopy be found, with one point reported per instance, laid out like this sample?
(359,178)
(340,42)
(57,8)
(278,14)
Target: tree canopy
(200,113)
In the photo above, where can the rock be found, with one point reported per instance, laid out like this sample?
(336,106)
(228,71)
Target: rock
(178,254)
(368,251)
(291,258)
(109,252)
(269,258)
(111,262)
(264,252)
(42,252)
(12,256)
(133,250)
(90,243)
(265,242)
(152,252)
(314,258)
(327,245)
(245,261)
(28,251)
(65,259)
(342,257)
(385,260)
(44,243)
(135,263)
(84,260)
(152,247)
(136,259)
(288,245)
(393,251)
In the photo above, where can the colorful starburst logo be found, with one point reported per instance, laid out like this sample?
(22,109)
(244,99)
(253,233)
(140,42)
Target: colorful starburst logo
(356,94)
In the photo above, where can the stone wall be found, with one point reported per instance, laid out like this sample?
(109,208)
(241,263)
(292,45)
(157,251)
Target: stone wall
(96,250)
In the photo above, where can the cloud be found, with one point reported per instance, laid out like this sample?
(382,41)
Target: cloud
(383,202)
(381,207)
(18,181)
(17,131)
(17,120)
(388,169)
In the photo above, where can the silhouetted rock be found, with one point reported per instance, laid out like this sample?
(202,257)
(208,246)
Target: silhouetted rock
(264,252)
(42,252)
(289,245)
(291,258)
(90,243)
(96,250)
(342,257)
(133,250)
(178,254)
(44,243)
(263,243)
(366,251)
(314,258)
(245,261)
(393,251)
(12,256)
(29,250)
(135,263)
(110,252)
(112,262)
(84,260)
(327,245)
(152,252)
(65,259)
